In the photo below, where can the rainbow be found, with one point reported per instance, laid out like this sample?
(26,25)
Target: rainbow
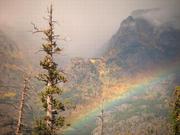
(86,122)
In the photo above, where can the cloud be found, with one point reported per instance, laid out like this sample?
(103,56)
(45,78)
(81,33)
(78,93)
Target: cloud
(160,16)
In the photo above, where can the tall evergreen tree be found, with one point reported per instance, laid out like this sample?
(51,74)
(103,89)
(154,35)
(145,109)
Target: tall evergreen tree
(51,77)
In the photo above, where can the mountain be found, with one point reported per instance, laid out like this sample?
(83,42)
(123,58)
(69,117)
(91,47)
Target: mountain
(143,53)
(140,43)
(140,46)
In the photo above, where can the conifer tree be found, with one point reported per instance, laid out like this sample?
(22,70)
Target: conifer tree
(51,77)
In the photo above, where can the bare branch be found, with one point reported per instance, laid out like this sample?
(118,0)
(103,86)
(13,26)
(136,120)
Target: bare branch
(36,29)
(29,106)
(15,107)
(38,51)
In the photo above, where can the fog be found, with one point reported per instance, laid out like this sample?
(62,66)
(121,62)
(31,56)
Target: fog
(86,24)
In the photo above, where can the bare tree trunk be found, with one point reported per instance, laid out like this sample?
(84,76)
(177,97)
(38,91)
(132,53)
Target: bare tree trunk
(49,111)
(49,98)
(21,107)
(49,114)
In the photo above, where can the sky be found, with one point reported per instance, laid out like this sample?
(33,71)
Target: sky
(86,24)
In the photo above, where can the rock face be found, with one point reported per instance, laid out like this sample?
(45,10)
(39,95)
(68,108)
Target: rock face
(84,82)
(140,43)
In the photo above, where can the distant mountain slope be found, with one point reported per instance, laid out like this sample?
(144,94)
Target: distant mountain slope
(11,58)
(10,83)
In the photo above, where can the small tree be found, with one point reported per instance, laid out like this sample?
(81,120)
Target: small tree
(52,77)
(102,73)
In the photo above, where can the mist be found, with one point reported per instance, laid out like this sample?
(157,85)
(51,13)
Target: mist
(86,24)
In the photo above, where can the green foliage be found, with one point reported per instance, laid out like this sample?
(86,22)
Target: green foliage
(54,76)
(47,48)
(60,121)
(58,105)
(43,77)
(40,128)
(50,90)
(48,63)
(57,50)
(176,112)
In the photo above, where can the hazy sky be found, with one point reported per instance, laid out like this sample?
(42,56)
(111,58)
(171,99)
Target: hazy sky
(88,23)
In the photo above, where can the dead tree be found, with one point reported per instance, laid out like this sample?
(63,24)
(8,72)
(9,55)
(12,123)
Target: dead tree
(21,106)
(101,117)
(102,72)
